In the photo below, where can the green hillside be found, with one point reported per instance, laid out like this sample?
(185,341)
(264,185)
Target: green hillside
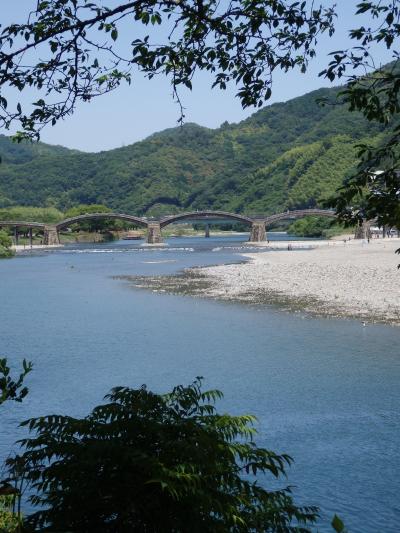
(287,155)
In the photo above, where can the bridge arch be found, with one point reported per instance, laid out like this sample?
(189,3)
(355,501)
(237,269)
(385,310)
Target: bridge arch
(93,216)
(205,215)
(299,213)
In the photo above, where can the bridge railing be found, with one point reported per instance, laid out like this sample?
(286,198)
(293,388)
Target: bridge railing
(22,223)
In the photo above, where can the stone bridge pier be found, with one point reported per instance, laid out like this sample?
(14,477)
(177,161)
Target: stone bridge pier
(154,233)
(51,235)
(258,233)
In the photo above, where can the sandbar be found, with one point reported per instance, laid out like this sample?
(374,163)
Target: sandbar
(354,278)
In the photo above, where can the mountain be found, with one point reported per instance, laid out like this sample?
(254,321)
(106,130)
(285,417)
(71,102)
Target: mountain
(287,155)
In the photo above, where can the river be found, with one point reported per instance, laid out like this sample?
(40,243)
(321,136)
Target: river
(325,391)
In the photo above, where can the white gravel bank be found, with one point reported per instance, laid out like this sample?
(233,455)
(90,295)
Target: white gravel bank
(354,279)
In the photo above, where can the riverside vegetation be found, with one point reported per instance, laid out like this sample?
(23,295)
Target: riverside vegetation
(5,245)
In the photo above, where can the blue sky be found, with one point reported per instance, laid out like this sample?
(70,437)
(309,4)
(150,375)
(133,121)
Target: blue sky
(146,106)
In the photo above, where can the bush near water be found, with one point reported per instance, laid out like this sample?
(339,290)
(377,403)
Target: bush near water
(5,245)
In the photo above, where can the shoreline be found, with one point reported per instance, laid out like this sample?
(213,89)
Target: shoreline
(26,247)
(353,280)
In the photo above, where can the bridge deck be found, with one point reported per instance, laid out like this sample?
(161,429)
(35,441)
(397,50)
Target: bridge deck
(22,223)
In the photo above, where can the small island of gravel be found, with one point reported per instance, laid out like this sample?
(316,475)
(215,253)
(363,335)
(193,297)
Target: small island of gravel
(354,279)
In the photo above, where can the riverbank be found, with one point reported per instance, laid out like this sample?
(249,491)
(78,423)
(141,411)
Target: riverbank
(353,279)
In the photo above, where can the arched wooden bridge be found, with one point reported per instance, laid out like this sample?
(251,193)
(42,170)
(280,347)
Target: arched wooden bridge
(211,215)
(90,216)
(258,223)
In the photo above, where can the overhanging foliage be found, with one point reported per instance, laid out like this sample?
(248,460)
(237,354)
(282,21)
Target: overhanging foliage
(156,463)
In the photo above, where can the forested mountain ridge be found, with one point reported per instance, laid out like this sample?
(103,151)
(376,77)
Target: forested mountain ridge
(287,155)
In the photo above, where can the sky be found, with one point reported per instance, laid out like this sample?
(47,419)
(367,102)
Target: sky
(133,112)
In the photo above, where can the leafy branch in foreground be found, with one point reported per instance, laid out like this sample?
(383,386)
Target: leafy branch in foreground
(373,191)
(11,389)
(338,525)
(74,50)
(11,488)
(156,463)
(9,521)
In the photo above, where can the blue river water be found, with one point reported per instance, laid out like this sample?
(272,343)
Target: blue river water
(325,391)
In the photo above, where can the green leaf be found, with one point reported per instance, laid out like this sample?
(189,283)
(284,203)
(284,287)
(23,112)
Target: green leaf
(337,524)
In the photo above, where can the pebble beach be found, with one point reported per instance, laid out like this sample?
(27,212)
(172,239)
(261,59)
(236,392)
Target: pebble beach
(353,278)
